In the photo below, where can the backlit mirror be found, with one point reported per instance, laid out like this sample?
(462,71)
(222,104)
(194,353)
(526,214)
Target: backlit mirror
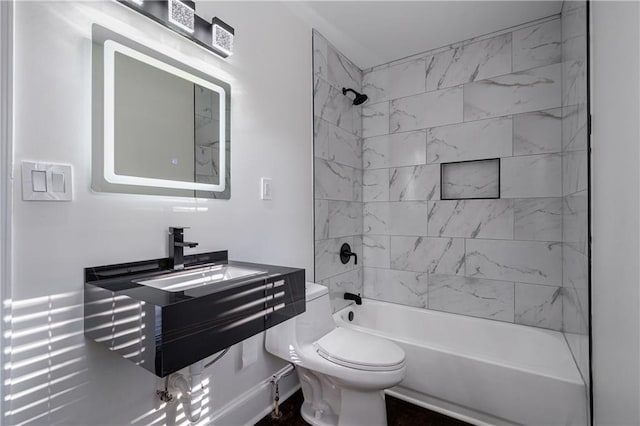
(160,127)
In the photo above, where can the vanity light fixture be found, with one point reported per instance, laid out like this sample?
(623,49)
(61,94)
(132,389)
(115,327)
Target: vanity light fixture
(222,35)
(180,16)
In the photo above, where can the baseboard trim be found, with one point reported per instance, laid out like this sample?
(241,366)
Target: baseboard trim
(248,408)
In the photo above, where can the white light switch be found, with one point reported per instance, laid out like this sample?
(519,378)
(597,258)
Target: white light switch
(57,182)
(266,192)
(46,182)
(38,181)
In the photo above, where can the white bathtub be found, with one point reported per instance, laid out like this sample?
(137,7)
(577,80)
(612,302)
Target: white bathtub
(478,370)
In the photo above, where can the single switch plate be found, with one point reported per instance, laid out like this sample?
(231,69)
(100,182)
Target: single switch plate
(46,182)
(266,192)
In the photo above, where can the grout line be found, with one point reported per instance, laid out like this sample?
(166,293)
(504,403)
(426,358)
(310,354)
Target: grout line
(549,154)
(389,116)
(562,209)
(451,238)
(466,42)
(466,83)
(501,280)
(497,117)
(329,97)
(475,200)
(331,46)
(512,65)
(318,117)
(463,102)
(514,302)
(313,152)
(513,208)
(465,257)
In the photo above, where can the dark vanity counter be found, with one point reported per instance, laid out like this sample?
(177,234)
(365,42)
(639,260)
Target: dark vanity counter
(165,331)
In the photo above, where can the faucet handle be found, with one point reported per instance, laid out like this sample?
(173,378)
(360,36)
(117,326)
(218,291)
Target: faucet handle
(178,229)
(346,254)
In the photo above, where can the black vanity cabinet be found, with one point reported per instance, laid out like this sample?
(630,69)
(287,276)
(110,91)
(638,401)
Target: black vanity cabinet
(165,331)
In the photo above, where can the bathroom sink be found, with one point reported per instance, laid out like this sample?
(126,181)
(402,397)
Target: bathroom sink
(149,312)
(180,281)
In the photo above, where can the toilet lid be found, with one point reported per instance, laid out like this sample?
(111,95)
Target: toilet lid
(359,350)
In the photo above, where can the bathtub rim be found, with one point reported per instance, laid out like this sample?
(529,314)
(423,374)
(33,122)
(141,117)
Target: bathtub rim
(577,380)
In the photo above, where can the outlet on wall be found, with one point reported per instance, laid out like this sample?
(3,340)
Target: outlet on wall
(266,189)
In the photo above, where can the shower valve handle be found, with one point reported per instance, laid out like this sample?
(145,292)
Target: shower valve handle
(346,254)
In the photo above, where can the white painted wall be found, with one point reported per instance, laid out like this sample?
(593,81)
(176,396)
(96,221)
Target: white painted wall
(615,170)
(6,155)
(64,377)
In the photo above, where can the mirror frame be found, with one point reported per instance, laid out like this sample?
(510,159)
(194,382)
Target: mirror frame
(106,44)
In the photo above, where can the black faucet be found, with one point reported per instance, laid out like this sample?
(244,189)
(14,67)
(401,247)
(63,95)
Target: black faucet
(176,247)
(355,297)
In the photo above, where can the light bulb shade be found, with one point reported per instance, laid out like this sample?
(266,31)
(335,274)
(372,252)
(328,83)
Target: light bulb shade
(182,14)
(222,36)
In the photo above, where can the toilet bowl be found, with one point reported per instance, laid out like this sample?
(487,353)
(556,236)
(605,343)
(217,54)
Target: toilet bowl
(343,372)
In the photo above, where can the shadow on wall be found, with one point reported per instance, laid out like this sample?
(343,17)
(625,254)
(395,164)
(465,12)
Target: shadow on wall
(47,370)
(172,414)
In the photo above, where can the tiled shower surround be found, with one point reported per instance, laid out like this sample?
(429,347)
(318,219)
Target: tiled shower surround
(516,95)
(575,222)
(338,171)
(498,97)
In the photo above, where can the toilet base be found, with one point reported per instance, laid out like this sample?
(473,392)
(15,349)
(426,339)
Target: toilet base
(357,409)
(317,418)
(363,408)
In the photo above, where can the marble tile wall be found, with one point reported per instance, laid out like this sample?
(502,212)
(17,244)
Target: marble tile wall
(338,178)
(499,97)
(518,96)
(470,179)
(574,153)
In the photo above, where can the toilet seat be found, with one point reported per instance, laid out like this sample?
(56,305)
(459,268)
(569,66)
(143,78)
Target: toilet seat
(360,351)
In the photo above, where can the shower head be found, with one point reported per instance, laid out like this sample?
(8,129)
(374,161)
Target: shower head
(360,97)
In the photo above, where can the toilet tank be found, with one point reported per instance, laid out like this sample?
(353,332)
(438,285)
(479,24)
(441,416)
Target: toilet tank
(305,328)
(317,320)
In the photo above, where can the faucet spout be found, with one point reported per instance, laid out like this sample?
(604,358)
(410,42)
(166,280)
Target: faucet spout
(355,297)
(185,244)
(176,247)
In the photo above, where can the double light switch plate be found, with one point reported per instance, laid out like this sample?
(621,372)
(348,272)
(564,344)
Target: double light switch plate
(46,182)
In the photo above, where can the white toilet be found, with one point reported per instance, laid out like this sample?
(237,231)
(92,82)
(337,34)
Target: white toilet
(343,372)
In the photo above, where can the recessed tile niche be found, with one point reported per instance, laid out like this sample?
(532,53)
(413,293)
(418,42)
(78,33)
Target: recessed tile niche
(478,179)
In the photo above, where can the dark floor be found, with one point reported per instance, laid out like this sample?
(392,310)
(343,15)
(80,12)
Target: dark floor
(399,413)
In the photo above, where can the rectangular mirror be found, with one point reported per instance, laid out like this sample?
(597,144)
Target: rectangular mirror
(160,127)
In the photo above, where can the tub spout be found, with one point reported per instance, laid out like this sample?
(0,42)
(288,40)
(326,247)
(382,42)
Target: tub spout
(355,297)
